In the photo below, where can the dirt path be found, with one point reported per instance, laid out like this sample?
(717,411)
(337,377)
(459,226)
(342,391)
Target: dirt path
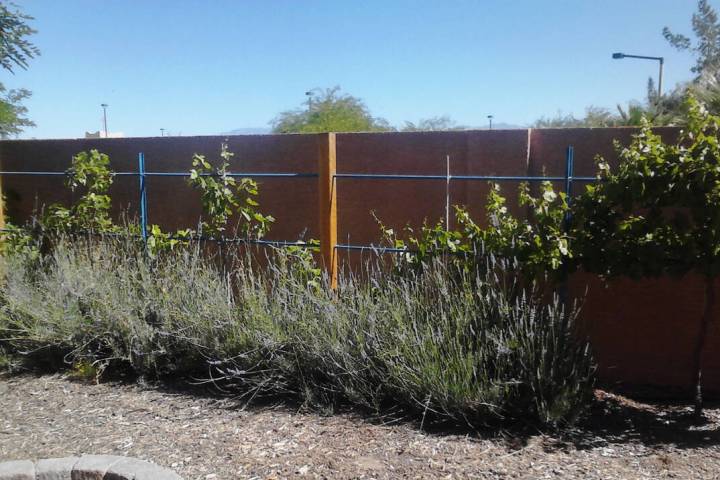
(206,438)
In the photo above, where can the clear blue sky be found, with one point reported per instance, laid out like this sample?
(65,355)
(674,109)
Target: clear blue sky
(204,67)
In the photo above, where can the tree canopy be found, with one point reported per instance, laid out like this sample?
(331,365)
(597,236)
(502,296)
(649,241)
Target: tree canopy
(432,124)
(594,117)
(12,112)
(329,110)
(669,108)
(15,51)
(706,28)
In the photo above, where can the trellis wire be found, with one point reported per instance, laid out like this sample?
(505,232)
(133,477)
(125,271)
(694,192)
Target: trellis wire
(568,180)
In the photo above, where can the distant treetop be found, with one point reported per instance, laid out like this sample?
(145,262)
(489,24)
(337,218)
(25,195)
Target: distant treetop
(328,110)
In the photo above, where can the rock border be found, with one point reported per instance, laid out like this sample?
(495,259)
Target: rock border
(86,467)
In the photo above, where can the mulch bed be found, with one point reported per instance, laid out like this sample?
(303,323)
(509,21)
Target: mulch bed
(206,437)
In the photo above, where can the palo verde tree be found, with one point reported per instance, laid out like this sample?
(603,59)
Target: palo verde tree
(442,123)
(329,110)
(659,213)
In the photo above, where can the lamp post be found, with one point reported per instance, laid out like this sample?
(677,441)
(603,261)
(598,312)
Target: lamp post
(104,107)
(661,60)
(162,132)
(490,118)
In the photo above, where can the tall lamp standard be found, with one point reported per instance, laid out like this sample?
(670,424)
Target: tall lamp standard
(661,60)
(104,107)
(490,117)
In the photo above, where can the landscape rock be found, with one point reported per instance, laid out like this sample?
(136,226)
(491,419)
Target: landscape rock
(55,468)
(17,470)
(93,467)
(133,469)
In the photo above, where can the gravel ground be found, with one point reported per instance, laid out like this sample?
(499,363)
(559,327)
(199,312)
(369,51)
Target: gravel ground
(202,437)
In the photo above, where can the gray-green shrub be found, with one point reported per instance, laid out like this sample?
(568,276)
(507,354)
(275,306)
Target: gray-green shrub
(472,349)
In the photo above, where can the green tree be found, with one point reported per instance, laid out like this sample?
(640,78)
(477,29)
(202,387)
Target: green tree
(659,213)
(328,110)
(15,51)
(665,110)
(432,124)
(594,117)
(707,45)
(12,112)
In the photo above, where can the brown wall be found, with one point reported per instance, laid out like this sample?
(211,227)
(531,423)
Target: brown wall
(642,332)
(171,202)
(409,202)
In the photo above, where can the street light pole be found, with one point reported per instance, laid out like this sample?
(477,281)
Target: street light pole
(661,60)
(104,107)
(490,117)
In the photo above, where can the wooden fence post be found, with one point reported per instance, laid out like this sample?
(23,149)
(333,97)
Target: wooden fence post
(2,201)
(327,201)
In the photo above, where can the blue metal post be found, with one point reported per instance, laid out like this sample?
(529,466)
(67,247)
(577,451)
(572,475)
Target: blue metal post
(569,161)
(143,196)
(569,167)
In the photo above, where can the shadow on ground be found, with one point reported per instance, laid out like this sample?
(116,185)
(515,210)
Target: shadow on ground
(615,419)
(612,419)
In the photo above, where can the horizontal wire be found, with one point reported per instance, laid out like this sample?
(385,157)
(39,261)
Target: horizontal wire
(175,174)
(498,178)
(374,248)
(197,238)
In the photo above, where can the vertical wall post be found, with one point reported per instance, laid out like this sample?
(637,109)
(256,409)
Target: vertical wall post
(563,287)
(2,201)
(327,201)
(143,197)
(2,207)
